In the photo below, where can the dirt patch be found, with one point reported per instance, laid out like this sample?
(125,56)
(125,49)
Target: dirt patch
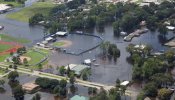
(23,57)
(67,43)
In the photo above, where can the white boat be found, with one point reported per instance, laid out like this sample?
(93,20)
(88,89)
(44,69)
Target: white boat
(1,27)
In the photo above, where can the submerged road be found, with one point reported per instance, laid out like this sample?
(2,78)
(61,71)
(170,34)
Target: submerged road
(57,77)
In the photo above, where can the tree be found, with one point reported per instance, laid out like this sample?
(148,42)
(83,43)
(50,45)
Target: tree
(150,90)
(35,19)
(16,60)
(72,79)
(117,83)
(2,82)
(43,82)
(13,75)
(62,70)
(56,90)
(114,94)
(162,79)
(123,89)
(92,91)
(130,48)
(116,27)
(163,30)
(169,55)
(68,71)
(37,96)
(164,94)
(63,83)
(25,62)
(101,96)
(11,53)
(40,66)
(63,92)
(18,93)
(73,89)
(84,76)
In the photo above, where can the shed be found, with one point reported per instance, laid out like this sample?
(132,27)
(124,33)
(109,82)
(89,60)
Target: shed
(77,97)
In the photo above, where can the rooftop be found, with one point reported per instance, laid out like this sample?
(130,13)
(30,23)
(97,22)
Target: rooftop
(77,97)
(29,86)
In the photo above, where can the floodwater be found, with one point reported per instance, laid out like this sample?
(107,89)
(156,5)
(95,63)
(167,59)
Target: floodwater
(107,71)
(21,29)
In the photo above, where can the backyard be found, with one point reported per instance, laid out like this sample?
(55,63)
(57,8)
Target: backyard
(26,13)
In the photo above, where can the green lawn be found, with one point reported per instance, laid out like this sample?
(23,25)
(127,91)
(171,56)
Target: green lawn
(15,4)
(24,14)
(3,57)
(8,38)
(57,44)
(44,51)
(4,47)
(35,56)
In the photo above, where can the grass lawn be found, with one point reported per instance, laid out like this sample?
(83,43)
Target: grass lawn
(4,47)
(24,14)
(8,38)
(3,57)
(15,4)
(35,56)
(44,51)
(57,44)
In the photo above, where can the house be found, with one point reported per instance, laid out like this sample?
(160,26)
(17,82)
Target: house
(61,33)
(77,97)
(77,68)
(30,87)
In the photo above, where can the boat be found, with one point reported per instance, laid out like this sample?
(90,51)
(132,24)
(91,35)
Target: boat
(1,27)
